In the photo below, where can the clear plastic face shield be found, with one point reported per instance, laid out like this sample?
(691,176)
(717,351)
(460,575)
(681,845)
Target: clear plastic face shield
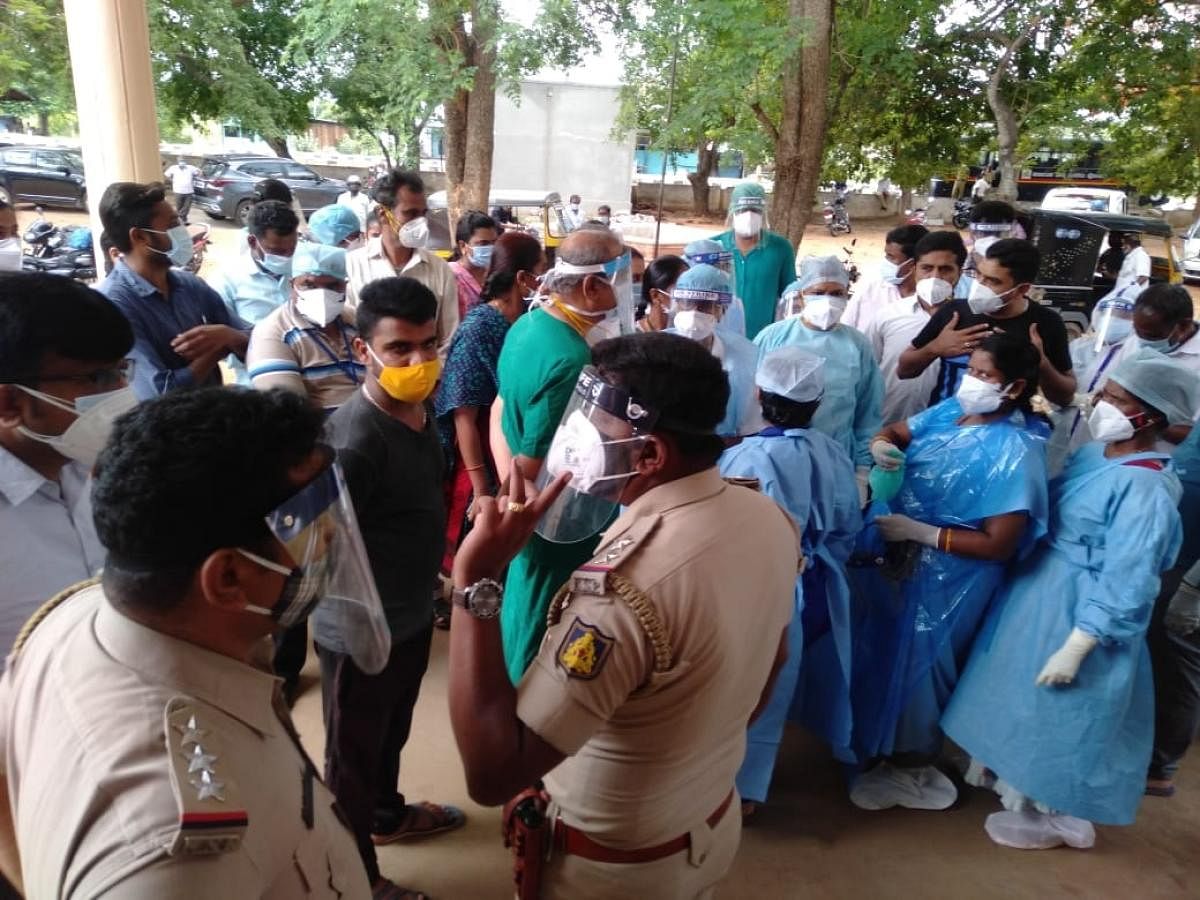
(748,216)
(983,235)
(718,259)
(695,314)
(332,574)
(599,441)
(618,271)
(1112,320)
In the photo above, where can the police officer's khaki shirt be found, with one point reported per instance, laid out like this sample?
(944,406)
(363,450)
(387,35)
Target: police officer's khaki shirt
(143,766)
(652,754)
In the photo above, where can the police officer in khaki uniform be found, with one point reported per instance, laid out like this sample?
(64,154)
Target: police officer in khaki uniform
(144,747)
(660,649)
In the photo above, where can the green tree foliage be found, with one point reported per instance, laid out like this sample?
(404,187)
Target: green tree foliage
(34,62)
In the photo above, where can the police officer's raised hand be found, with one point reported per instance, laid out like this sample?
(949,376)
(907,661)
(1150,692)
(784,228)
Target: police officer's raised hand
(502,527)
(952,342)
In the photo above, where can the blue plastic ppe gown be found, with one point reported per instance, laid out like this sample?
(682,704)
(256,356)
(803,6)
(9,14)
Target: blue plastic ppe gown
(851,410)
(739,359)
(912,636)
(1083,748)
(811,477)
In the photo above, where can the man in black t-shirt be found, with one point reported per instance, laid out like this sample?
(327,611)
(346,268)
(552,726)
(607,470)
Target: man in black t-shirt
(999,301)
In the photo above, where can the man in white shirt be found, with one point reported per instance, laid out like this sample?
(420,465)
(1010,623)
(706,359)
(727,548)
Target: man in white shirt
(980,188)
(939,257)
(183,185)
(61,346)
(400,250)
(1135,268)
(896,268)
(574,213)
(354,198)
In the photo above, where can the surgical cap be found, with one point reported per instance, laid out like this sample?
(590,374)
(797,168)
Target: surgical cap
(333,224)
(705,250)
(792,373)
(1167,385)
(748,196)
(703,282)
(818,270)
(319,259)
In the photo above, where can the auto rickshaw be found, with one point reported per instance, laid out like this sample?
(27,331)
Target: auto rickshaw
(1071,244)
(540,213)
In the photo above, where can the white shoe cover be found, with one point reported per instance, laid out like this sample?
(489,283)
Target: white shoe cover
(886,786)
(1030,830)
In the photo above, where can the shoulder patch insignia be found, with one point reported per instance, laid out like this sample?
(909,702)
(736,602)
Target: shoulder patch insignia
(590,579)
(584,650)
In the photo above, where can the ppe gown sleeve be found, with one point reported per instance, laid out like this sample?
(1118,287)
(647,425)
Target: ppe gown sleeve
(1142,540)
(868,411)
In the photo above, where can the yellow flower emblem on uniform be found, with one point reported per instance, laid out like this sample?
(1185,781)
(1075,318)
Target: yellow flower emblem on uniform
(584,650)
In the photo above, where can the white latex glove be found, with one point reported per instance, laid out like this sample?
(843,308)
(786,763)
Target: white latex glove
(1183,612)
(887,455)
(1063,664)
(861,478)
(902,528)
(1084,403)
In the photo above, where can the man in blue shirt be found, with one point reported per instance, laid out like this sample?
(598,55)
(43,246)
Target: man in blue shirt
(181,327)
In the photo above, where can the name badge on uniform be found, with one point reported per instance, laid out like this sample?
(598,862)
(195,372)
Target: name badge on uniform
(590,579)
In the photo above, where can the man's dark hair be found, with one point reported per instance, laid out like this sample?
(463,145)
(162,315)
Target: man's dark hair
(106,246)
(387,188)
(994,212)
(907,236)
(676,377)
(42,314)
(1171,302)
(784,413)
(394,298)
(272,215)
(942,240)
(603,208)
(126,205)
(468,223)
(1132,237)
(189,473)
(272,189)
(1020,257)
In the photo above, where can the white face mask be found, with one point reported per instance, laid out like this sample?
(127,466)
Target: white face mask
(890,272)
(697,326)
(977,397)
(579,448)
(10,254)
(1108,424)
(980,248)
(414,234)
(747,224)
(823,311)
(86,436)
(934,291)
(320,305)
(983,300)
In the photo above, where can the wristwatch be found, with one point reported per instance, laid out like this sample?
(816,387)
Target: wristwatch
(481,600)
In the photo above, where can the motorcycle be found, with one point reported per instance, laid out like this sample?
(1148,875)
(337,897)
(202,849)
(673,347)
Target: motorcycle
(848,262)
(200,241)
(837,219)
(962,213)
(916,216)
(59,251)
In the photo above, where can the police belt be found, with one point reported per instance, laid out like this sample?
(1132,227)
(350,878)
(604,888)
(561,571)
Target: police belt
(571,840)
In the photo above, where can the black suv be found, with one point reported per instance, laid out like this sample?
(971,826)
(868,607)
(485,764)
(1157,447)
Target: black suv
(47,175)
(225,188)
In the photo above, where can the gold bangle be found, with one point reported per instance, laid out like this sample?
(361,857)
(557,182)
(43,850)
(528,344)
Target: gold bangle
(949,535)
(473,468)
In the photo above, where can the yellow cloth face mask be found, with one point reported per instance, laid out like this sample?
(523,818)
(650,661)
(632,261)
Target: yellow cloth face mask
(408,384)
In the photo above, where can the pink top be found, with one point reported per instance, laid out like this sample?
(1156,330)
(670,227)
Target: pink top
(468,288)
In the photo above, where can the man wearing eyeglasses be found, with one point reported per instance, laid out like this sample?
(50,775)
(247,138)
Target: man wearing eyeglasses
(62,375)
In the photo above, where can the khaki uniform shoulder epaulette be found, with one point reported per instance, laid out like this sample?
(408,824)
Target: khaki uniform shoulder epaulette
(599,576)
(46,608)
(212,817)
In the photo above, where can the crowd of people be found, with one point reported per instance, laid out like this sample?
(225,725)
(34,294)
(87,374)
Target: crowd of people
(914,517)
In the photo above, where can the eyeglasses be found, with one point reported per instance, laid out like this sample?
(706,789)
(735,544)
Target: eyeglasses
(106,378)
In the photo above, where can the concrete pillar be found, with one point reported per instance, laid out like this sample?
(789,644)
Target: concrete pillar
(114,95)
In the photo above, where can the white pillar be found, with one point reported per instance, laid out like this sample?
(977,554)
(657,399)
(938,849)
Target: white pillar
(114,95)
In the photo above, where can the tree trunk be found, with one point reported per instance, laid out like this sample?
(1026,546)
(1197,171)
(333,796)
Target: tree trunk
(800,137)
(905,199)
(1007,132)
(706,161)
(412,146)
(278,143)
(43,122)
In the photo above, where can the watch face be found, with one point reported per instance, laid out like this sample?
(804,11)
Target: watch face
(483,599)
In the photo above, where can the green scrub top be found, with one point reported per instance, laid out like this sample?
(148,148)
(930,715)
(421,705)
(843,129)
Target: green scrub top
(760,276)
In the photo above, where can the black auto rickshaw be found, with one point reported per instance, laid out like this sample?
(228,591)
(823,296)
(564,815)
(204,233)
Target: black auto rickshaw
(1071,244)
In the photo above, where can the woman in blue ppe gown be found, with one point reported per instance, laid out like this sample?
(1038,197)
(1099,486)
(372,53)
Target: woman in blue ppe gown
(812,478)
(973,497)
(1058,701)
(810,308)
(699,301)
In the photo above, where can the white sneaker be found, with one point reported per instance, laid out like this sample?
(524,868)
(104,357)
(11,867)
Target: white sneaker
(886,786)
(1029,830)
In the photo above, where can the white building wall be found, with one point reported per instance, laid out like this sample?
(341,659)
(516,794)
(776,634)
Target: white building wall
(559,137)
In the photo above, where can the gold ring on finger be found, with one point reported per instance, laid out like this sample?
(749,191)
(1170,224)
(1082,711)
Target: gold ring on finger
(515,507)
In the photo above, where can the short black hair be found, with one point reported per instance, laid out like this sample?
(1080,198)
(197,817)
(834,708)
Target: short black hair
(126,205)
(42,314)
(388,187)
(784,413)
(1171,302)
(679,379)
(272,215)
(189,473)
(394,298)
(942,240)
(993,212)
(106,246)
(603,207)
(907,236)
(1020,257)
(272,189)
(661,274)
(468,223)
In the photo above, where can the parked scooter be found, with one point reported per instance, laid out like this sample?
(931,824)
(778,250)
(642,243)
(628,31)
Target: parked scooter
(59,251)
(837,219)
(962,212)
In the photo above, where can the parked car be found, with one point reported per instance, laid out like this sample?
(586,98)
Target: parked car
(50,176)
(225,188)
(1191,251)
(1081,199)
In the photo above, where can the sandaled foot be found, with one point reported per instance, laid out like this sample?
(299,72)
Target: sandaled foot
(384,889)
(422,820)
(1160,787)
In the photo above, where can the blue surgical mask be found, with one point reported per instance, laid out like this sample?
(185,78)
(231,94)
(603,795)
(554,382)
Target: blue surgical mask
(1163,346)
(481,257)
(180,253)
(280,266)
